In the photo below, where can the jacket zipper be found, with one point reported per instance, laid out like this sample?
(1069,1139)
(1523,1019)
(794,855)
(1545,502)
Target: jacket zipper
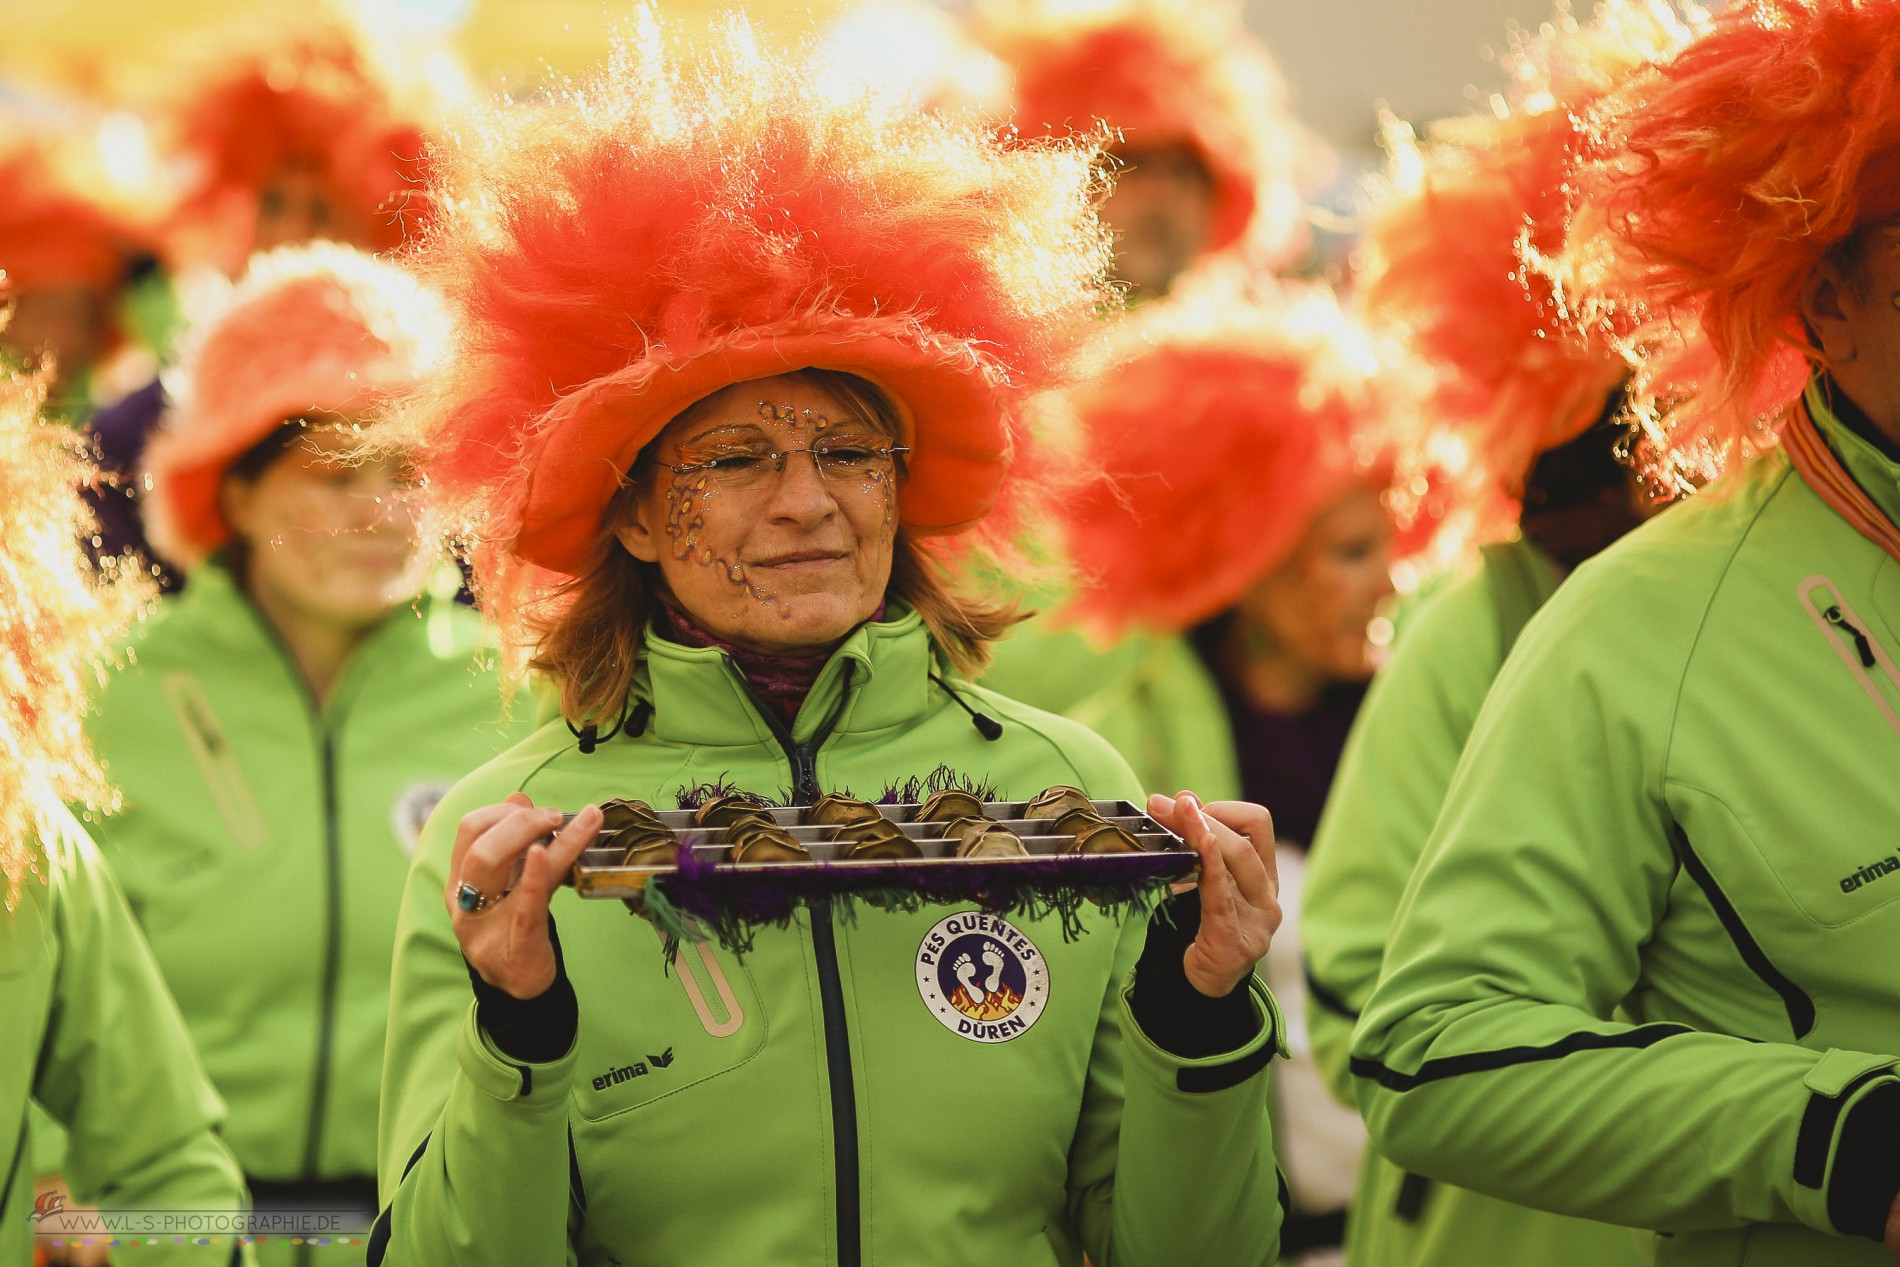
(844,1097)
(1847,633)
(332,960)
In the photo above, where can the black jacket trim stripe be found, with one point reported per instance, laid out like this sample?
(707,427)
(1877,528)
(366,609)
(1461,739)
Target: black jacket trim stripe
(1504,1058)
(1329,998)
(1797,1001)
(1816,1136)
(1202,1079)
(380,1231)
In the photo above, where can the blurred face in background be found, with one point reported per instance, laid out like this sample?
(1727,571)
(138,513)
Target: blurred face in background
(67,323)
(1316,607)
(1161,212)
(298,207)
(326,536)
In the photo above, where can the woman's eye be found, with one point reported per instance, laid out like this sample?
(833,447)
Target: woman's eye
(733,463)
(849,455)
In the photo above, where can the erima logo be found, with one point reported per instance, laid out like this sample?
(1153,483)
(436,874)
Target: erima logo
(638,1069)
(1869,873)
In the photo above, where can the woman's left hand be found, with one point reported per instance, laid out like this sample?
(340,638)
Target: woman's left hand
(1240,886)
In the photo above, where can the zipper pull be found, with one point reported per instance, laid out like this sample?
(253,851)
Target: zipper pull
(1839,621)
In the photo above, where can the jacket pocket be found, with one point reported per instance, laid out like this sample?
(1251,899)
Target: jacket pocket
(217,762)
(1853,641)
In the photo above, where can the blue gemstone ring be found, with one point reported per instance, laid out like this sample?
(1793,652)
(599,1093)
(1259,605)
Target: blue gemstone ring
(473,900)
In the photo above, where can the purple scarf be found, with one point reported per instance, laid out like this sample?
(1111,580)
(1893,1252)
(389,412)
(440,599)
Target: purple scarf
(782,681)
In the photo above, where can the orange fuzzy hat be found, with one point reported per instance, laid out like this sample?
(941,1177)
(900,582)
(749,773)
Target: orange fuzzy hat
(665,231)
(1721,180)
(56,615)
(1162,72)
(315,98)
(1444,254)
(1221,428)
(58,227)
(310,330)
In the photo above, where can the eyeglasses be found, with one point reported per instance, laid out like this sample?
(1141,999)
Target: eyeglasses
(840,459)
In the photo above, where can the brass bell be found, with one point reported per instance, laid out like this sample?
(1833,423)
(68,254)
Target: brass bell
(950,804)
(1076,821)
(985,838)
(732,811)
(880,840)
(833,810)
(647,848)
(1056,801)
(620,815)
(1103,837)
(766,842)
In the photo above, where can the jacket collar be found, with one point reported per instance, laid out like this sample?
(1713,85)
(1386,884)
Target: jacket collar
(699,697)
(1873,470)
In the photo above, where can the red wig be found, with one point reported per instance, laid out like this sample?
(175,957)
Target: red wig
(56,227)
(1221,429)
(666,230)
(313,100)
(1445,255)
(1165,72)
(1721,181)
(311,331)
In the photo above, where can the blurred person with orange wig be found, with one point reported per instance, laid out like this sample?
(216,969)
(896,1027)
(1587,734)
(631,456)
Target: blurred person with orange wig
(1231,559)
(1208,157)
(743,374)
(280,729)
(285,132)
(92,1036)
(69,243)
(1639,972)
(1534,402)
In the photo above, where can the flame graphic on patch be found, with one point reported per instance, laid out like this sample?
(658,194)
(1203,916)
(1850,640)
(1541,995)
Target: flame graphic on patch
(995,1006)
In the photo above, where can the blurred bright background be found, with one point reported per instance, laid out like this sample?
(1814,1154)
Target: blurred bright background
(1341,57)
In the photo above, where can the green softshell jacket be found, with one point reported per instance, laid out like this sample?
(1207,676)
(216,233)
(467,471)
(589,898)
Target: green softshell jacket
(1644,969)
(1149,695)
(264,842)
(88,1032)
(1392,777)
(818,1101)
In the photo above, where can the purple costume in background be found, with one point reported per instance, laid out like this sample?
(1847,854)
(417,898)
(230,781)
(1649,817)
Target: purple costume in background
(119,432)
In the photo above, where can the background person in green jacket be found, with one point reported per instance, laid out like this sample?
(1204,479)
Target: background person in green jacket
(729,486)
(90,1035)
(1534,407)
(281,729)
(1640,973)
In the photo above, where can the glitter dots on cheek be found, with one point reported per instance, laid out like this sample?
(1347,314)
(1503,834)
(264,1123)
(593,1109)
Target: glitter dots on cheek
(687,500)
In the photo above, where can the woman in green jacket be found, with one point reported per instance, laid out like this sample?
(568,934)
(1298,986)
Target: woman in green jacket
(707,524)
(90,1034)
(282,727)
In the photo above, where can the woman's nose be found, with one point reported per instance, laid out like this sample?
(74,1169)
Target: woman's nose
(800,492)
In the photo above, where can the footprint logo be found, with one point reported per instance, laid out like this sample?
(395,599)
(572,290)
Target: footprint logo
(993,956)
(965,970)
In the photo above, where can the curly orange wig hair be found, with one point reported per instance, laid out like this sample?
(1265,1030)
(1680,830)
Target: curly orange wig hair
(1220,428)
(310,331)
(55,227)
(1721,180)
(58,613)
(1445,252)
(1162,72)
(314,98)
(664,230)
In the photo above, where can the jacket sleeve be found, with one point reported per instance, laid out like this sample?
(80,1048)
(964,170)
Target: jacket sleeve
(1173,1159)
(1487,1056)
(119,1073)
(1392,779)
(473,1146)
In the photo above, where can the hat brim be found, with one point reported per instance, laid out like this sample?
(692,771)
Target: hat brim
(951,413)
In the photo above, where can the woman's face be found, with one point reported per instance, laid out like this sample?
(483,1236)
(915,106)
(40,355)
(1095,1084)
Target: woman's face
(328,536)
(769,560)
(1317,605)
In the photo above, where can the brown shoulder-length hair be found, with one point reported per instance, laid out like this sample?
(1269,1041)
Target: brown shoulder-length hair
(590,642)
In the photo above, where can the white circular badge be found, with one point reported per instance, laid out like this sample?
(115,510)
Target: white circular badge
(982,977)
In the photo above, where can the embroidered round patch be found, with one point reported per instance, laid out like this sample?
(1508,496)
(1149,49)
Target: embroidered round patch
(982,977)
(412,807)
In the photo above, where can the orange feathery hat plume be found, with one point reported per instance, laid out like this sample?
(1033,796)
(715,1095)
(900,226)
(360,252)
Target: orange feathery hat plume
(667,230)
(315,98)
(1163,72)
(1220,428)
(311,331)
(57,615)
(1719,182)
(1444,254)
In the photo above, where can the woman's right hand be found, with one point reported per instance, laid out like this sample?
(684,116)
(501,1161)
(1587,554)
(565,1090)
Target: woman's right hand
(499,846)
